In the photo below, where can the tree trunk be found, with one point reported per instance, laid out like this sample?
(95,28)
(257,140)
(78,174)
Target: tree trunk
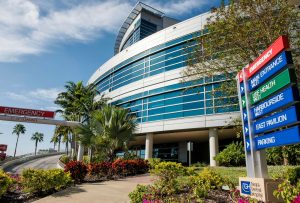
(16,145)
(67,147)
(35,147)
(58,145)
(90,154)
(80,152)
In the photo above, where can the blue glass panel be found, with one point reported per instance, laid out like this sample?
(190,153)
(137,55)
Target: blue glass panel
(173,94)
(209,103)
(156,91)
(155,118)
(193,112)
(173,115)
(157,97)
(209,110)
(175,66)
(156,111)
(173,101)
(155,104)
(193,97)
(194,105)
(173,108)
(157,71)
(208,95)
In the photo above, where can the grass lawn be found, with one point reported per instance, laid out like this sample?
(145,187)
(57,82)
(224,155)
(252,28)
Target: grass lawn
(233,173)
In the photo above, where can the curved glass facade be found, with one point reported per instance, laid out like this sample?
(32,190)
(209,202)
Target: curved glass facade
(175,101)
(162,58)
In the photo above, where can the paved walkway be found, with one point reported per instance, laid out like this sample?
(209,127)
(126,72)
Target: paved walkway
(106,192)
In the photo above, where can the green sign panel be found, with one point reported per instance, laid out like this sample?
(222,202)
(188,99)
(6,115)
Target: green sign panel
(270,86)
(243,102)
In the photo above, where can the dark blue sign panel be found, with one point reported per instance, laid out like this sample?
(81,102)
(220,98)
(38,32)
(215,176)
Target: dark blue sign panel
(281,99)
(270,69)
(247,144)
(277,120)
(246,130)
(279,138)
(245,115)
(242,89)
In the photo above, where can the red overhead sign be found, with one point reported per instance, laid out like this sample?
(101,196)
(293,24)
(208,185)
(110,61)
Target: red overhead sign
(3,147)
(2,156)
(279,45)
(26,112)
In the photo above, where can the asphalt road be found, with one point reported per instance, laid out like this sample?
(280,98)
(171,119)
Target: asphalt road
(41,163)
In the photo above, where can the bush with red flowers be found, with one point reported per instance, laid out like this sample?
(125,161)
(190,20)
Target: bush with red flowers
(119,167)
(103,169)
(77,169)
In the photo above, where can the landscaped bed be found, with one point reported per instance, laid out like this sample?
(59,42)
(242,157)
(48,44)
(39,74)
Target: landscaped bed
(176,183)
(33,184)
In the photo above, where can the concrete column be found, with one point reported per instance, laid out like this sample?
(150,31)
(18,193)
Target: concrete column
(182,152)
(80,152)
(213,145)
(149,146)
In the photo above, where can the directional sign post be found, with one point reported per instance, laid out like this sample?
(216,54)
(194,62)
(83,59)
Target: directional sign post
(268,97)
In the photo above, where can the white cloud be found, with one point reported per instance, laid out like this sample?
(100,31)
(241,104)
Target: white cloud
(18,97)
(38,96)
(45,94)
(32,26)
(24,30)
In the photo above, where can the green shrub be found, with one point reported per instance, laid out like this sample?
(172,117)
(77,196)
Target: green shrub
(232,155)
(168,172)
(41,181)
(289,189)
(65,159)
(289,155)
(274,156)
(36,180)
(153,162)
(5,182)
(139,193)
(206,180)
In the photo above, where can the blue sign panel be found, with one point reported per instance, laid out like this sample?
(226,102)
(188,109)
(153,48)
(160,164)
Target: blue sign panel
(270,69)
(247,144)
(245,115)
(279,138)
(242,88)
(246,130)
(277,120)
(281,99)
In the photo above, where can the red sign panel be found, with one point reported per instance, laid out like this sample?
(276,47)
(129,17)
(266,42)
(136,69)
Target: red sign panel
(26,112)
(3,147)
(2,156)
(279,45)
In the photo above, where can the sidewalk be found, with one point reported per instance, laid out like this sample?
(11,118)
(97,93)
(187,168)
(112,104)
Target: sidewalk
(106,192)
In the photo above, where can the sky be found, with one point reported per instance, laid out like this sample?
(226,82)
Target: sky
(45,43)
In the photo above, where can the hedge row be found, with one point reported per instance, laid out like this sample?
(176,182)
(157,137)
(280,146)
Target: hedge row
(119,167)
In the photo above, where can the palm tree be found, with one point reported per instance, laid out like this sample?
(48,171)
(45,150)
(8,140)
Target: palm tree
(78,102)
(18,129)
(37,137)
(110,128)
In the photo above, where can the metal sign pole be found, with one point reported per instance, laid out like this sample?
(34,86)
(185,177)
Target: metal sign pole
(249,165)
(258,158)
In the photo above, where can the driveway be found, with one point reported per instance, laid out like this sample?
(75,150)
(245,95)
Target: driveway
(41,163)
(106,192)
